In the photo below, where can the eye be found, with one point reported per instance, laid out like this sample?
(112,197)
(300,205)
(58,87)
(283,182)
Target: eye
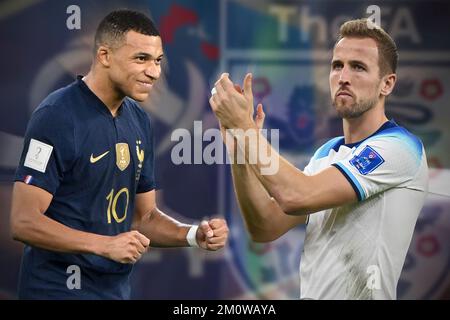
(141,59)
(359,67)
(158,61)
(336,66)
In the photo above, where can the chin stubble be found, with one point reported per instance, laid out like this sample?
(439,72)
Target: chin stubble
(356,109)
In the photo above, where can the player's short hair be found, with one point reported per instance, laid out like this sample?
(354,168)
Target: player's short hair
(387,49)
(112,29)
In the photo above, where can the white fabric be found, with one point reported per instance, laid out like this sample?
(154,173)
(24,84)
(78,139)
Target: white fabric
(38,155)
(191,236)
(357,251)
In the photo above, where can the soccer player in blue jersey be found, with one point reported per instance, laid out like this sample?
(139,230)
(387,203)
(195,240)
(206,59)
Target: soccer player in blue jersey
(84,196)
(360,195)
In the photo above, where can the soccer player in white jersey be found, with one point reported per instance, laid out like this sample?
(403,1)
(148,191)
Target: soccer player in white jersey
(360,195)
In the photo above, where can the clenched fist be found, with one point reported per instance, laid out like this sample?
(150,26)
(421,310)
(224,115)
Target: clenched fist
(212,235)
(126,247)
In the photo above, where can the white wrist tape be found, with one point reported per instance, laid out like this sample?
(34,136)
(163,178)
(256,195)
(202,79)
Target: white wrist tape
(191,236)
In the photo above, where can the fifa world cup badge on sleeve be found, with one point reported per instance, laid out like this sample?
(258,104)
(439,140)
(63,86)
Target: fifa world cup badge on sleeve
(367,161)
(38,155)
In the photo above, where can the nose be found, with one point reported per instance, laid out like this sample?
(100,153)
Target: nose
(344,77)
(153,70)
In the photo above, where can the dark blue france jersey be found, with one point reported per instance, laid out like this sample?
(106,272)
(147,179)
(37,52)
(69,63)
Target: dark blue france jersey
(93,164)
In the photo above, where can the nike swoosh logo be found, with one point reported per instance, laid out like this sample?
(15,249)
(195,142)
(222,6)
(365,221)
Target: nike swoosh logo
(95,159)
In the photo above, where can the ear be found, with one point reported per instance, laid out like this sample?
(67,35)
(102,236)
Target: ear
(388,83)
(104,56)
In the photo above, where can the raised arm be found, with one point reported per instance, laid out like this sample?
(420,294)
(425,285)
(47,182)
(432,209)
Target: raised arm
(264,218)
(295,192)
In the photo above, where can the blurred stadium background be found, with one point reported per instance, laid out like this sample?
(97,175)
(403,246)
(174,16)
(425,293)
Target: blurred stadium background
(287,45)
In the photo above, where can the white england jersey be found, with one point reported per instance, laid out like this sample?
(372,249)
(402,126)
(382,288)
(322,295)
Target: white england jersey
(357,251)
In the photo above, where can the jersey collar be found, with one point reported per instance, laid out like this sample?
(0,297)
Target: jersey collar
(387,125)
(340,142)
(96,100)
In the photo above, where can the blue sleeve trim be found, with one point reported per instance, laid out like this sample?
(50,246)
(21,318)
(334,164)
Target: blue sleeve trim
(353,181)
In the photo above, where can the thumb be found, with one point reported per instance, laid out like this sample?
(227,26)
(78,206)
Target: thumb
(206,229)
(248,93)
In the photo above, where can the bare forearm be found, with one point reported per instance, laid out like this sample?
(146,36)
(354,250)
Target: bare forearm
(255,203)
(281,179)
(261,213)
(163,230)
(263,216)
(265,219)
(46,233)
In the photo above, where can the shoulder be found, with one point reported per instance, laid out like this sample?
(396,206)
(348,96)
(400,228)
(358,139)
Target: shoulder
(397,139)
(62,98)
(324,150)
(57,106)
(54,116)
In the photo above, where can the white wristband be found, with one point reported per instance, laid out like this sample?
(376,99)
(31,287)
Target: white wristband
(191,236)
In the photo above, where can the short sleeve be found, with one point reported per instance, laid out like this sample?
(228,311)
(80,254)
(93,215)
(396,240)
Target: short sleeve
(49,149)
(147,179)
(308,170)
(382,163)
(322,152)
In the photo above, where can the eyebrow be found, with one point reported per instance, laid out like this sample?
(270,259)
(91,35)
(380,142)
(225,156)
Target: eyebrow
(147,55)
(352,62)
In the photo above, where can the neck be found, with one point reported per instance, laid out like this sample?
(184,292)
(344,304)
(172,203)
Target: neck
(102,87)
(363,126)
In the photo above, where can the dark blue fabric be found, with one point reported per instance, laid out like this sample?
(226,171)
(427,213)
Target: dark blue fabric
(93,197)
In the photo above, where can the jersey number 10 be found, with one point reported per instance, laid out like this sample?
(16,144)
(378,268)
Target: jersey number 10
(112,205)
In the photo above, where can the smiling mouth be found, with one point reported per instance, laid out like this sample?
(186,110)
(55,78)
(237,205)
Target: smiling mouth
(145,84)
